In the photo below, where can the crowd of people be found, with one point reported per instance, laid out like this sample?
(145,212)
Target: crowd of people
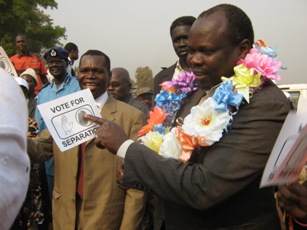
(117,180)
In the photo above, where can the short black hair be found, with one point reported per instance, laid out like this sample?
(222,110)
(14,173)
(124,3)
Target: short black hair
(70,47)
(98,53)
(239,24)
(21,35)
(182,21)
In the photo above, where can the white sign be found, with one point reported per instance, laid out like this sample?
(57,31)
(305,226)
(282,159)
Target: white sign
(6,63)
(64,118)
(289,154)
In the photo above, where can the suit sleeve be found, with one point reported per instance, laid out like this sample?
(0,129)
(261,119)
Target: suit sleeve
(40,148)
(135,199)
(226,167)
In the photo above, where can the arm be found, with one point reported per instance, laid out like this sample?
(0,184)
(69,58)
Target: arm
(40,148)
(228,166)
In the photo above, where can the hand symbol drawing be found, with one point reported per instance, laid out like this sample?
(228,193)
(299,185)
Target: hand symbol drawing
(67,127)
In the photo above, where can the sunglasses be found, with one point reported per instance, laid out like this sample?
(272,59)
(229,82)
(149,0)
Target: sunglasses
(117,84)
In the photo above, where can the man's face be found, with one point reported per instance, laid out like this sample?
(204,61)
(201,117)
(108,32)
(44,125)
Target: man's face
(180,35)
(57,67)
(211,55)
(146,99)
(118,88)
(94,74)
(74,55)
(21,44)
(31,82)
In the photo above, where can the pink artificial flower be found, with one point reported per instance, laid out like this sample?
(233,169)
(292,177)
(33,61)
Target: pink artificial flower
(262,63)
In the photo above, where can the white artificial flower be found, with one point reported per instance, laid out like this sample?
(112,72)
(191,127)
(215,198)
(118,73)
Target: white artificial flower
(171,147)
(205,122)
(152,140)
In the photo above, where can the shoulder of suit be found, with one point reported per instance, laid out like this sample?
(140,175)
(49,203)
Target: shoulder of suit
(127,107)
(168,70)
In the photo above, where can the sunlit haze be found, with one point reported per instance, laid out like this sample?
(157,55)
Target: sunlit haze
(135,33)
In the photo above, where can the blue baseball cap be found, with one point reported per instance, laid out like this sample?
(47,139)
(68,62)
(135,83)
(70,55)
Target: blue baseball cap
(56,52)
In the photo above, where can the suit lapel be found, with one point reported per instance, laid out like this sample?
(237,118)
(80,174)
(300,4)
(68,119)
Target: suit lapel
(190,101)
(108,111)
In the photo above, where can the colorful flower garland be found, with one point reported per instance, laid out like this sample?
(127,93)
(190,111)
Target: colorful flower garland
(207,121)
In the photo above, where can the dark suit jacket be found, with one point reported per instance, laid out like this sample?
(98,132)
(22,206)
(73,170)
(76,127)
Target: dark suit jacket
(163,75)
(219,188)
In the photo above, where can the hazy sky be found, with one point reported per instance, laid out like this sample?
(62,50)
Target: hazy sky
(135,33)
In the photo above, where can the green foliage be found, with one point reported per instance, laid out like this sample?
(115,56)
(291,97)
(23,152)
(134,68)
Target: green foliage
(25,17)
(144,77)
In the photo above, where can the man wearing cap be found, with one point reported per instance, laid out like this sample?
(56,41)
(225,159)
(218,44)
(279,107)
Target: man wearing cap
(145,96)
(25,59)
(62,85)
(31,78)
(23,86)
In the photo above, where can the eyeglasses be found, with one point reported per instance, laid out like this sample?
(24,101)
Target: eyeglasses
(116,84)
(55,62)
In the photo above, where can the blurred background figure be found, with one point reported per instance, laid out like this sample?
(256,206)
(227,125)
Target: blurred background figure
(30,76)
(179,31)
(120,88)
(145,96)
(23,86)
(73,55)
(24,59)
(14,161)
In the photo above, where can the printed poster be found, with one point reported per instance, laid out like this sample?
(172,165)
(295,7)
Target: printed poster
(289,154)
(6,64)
(64,118)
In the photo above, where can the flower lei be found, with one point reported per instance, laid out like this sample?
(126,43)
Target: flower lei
(207,121)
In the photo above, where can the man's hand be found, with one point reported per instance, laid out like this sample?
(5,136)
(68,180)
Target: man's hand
(293,199)
(108,135)
(120,174)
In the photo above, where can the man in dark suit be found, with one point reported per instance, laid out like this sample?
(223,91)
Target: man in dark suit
(219,187)
(179,31)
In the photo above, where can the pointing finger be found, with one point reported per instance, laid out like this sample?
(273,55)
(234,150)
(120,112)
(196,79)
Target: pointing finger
(97,120)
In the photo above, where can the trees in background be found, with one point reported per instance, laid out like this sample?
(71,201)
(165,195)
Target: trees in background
(25,17)
(144,77)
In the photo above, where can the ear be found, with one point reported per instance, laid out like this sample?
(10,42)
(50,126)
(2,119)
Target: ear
(244,48)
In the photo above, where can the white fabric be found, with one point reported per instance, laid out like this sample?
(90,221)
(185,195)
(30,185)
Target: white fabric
(22,82)
(14,161)
(101,100)
(121,152)
(178,70)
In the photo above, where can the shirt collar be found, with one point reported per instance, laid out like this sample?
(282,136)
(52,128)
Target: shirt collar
(178,70)
(27,54)
(101,100)
(66,81)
